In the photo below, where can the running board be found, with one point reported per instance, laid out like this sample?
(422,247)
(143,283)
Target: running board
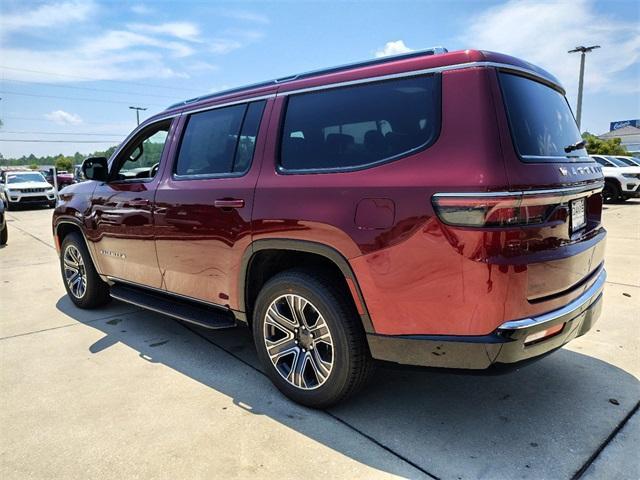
(188,311)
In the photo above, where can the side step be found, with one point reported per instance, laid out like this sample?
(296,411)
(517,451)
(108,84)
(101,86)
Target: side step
(188,311)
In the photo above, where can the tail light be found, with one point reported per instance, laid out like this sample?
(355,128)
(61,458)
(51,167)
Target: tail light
(497,211)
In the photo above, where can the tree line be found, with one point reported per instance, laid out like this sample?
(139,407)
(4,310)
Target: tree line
(61,162)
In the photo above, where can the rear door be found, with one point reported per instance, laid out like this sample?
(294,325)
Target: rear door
(204,203)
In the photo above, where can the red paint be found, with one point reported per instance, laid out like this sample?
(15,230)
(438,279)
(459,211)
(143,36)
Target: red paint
(416,274)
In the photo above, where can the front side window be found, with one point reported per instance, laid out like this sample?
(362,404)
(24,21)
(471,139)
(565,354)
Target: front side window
(141,158)
(353,127)
(541,121)
(219,141)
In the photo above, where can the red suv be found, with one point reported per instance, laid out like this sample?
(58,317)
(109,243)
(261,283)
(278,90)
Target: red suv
(435,209)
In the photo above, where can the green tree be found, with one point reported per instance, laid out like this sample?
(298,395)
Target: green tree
(33,166)
(64,163)
(597,146)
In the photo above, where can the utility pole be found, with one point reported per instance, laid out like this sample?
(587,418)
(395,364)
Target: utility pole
(137,109)
(583,51)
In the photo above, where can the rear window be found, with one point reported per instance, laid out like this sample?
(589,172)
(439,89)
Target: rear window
(353,127)
(541,121)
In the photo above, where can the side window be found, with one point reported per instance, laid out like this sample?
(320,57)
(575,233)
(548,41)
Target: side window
(602,161)
(352,127)
(219,141)
(247,143)
(140,159)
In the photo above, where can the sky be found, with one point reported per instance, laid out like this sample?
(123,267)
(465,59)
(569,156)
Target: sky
(70,69)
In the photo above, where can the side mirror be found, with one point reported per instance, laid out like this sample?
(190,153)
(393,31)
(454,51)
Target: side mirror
(95,168)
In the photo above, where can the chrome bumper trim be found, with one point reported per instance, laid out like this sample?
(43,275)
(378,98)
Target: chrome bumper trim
(575,306)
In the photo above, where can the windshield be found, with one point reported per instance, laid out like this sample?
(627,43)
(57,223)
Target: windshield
(25,177)
(541,121)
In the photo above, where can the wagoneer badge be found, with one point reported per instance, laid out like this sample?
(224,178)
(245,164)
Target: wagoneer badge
(564,171)
(113,254)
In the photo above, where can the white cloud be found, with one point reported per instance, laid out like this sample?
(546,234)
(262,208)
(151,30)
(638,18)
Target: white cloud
(200,66)
(543,32)
(223,46)
(114,40)
(46,15)
(63,118)
(81,65)
(393,48)
(135,51)
(182,30)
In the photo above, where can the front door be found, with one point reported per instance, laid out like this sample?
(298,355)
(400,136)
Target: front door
(204,203)
(121,217)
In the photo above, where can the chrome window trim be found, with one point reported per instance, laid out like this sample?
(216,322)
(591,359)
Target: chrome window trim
(425,71)
(229,104)
(573,307)
(562,191)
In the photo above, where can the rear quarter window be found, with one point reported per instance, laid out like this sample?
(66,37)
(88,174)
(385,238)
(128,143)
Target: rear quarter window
(354,127)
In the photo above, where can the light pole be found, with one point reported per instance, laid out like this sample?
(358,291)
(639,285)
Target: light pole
(583,51)
(137,109)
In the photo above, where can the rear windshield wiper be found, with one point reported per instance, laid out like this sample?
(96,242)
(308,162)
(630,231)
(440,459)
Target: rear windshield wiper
(575,146)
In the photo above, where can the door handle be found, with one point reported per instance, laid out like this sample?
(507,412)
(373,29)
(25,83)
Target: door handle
(229,203)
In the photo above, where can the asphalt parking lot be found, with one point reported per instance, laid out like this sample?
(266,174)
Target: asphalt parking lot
(124,393)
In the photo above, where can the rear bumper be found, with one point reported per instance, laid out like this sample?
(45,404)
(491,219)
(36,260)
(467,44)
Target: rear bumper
(505,346)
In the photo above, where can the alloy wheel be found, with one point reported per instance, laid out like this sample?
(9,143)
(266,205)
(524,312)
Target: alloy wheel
(298,342)
(75,273)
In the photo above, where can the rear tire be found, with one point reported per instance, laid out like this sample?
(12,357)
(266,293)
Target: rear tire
(84,286)
(4,235)
(319,354)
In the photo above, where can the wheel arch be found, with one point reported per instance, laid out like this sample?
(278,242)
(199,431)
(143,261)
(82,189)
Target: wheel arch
(249,284)
(614,180)
(64,227)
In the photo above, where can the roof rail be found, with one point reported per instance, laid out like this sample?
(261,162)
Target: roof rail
(312,73)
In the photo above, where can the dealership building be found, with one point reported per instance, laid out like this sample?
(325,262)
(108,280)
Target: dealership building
(626,130)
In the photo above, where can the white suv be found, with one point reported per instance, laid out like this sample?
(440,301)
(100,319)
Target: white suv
(621,181)
(26,188)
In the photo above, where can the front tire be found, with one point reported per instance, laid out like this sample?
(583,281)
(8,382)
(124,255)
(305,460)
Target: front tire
(84,286)
(310,339)
(611,192)
(4,235)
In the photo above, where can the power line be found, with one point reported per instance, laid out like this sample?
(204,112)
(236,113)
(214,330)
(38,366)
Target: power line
(38,119)
(72,98)
(65,133)
(96,79)
(29,140)
(55,85)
